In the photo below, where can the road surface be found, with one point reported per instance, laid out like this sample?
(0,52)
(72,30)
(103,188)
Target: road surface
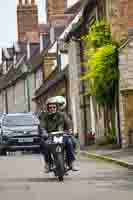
(22,178)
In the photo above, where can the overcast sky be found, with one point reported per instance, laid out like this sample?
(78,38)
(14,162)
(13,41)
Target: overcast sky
(8,23)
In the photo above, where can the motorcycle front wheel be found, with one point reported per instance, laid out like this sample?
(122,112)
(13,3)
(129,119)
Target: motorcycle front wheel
(60,166)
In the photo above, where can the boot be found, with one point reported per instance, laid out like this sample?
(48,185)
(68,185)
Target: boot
(73,166)
(46,168)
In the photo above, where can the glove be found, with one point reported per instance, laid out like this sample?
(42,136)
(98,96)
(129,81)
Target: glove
(70,131)
(44,134)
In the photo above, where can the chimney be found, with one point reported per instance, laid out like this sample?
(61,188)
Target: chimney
(55,10)
(20,2)
(33,2)
(27,19)
(26,2)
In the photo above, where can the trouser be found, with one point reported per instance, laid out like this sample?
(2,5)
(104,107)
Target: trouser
(74,141)
(70,154)
(69,148)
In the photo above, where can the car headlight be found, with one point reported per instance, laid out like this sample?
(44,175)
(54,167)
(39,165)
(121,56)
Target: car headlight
(34,132)
(7,132)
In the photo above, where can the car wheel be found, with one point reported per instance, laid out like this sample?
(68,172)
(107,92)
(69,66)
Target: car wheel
(3,152)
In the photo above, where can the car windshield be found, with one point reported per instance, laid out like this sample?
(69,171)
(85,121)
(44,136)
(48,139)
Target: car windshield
(20,120)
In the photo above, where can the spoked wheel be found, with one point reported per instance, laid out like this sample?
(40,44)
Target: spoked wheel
(60,171)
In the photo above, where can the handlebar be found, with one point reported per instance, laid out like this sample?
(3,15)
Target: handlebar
(57,133)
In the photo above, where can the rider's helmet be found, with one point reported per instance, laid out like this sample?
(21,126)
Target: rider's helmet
(58,101)
(51,105)
(61,101)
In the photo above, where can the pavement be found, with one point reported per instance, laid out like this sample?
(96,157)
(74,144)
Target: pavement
(22,177)
(123,157)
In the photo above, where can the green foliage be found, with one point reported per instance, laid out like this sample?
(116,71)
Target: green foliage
(102,62)
(99,35)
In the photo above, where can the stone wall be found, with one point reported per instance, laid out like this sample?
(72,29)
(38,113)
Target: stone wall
(127,106)
(16,98)
(49,62)
(126,92)
(74,88)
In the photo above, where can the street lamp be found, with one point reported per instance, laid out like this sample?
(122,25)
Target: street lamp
(25,70)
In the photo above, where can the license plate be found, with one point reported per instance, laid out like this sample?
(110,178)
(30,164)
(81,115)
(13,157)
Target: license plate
(25,140)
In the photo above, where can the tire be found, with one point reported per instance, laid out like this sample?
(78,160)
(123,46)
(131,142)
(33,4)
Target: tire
(60,166)
(3,152)
(61,178)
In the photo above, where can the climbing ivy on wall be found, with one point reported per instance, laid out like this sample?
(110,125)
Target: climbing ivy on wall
(101,60)
(101,54)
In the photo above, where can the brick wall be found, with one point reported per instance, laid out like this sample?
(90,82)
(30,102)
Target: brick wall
(27,21)
(121,18)
(55,10)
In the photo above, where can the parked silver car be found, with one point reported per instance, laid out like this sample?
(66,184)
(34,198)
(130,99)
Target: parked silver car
(19,131)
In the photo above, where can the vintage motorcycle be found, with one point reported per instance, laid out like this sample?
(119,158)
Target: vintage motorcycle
(57,156)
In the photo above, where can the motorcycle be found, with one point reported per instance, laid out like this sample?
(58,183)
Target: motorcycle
(57,155)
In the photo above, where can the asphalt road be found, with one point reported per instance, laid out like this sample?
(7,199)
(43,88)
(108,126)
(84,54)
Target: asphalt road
(22,178)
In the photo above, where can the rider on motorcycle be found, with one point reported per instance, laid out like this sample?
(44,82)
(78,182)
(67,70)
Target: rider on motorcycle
(62,108)
(54,120)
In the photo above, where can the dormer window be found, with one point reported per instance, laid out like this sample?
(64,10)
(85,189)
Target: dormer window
(5,67)
(14,61)
(16,51)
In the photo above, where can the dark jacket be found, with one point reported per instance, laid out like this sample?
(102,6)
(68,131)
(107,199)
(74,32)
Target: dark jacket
(55,122)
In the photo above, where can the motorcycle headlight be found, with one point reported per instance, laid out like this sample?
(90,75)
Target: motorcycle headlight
(58,149)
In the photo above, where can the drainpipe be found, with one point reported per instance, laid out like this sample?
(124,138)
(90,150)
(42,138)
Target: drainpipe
(118,116)
(58,57)
(28,94)
(6,99)
(6,102)
(66,93)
